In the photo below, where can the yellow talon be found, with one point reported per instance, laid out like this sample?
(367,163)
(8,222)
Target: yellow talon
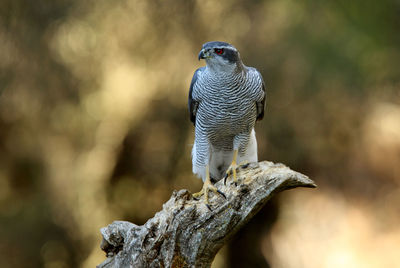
(243,163)
(232,168)
(207,186)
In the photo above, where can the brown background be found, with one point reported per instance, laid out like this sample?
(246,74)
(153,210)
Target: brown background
(94,125)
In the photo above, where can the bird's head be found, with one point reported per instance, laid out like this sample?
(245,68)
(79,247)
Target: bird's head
(221,56)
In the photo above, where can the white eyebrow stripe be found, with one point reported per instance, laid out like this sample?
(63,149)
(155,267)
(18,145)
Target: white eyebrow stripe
(225,47)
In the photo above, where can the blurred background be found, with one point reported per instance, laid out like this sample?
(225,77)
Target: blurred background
(94,125)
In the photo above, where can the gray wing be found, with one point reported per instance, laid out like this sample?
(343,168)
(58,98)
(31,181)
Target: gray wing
(261,104)
(193,104)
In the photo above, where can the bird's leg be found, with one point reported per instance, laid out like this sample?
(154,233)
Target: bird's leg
(232,167)
(207,186)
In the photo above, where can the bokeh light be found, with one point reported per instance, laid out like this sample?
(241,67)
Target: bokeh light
(94,125)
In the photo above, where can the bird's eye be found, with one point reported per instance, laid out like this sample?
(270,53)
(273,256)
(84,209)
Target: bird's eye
(219,51)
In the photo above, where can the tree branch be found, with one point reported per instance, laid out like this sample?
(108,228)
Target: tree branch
(185,233)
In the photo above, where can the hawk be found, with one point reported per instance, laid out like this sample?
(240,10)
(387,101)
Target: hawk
(226,98)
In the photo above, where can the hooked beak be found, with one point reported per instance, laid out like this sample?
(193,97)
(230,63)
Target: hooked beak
(201,55)
(204,54)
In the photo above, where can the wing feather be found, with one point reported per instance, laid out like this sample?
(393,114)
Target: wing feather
(261,104)
(193,104)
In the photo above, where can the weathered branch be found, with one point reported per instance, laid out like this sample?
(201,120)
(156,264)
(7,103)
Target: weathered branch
(186,233)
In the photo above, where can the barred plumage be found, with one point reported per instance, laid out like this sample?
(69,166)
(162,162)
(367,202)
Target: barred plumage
(225,99)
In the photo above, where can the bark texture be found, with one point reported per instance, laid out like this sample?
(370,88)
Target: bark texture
(186,233)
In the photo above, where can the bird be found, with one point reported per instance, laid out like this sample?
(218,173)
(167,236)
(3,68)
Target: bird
(226,98)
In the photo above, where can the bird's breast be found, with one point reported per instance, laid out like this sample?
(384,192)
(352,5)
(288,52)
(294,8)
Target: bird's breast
(227,105)
(227,117)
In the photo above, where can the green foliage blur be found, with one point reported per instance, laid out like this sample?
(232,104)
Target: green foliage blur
(94,125)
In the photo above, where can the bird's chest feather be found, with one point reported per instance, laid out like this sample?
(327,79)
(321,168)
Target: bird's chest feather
(227,107)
